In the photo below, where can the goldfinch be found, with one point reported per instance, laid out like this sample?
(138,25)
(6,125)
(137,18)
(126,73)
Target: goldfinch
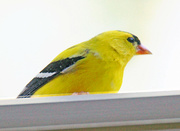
(94,66)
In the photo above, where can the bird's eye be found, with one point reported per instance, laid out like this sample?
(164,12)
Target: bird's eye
(130,39)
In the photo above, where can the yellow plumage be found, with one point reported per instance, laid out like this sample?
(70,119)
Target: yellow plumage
(99,69)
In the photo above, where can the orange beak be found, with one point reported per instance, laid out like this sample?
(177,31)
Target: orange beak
(140,50)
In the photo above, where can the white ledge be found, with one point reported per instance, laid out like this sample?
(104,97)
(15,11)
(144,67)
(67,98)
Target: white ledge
(83,111)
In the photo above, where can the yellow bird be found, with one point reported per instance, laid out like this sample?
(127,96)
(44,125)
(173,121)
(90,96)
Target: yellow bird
(94,66)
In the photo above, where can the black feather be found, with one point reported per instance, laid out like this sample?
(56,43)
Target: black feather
(56,67)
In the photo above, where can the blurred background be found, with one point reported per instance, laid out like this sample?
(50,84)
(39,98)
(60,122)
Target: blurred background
(33,32)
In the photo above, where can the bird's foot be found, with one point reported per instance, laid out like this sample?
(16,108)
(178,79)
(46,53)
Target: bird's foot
(80,93)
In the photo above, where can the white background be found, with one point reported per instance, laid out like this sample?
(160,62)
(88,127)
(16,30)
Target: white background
(33,32)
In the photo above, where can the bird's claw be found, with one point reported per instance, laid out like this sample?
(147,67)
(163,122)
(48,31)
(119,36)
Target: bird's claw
(80,93)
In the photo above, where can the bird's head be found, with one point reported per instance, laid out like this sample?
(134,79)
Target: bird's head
(123,44)
(139,48)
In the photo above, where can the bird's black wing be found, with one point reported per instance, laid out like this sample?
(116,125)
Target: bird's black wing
(48,73)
